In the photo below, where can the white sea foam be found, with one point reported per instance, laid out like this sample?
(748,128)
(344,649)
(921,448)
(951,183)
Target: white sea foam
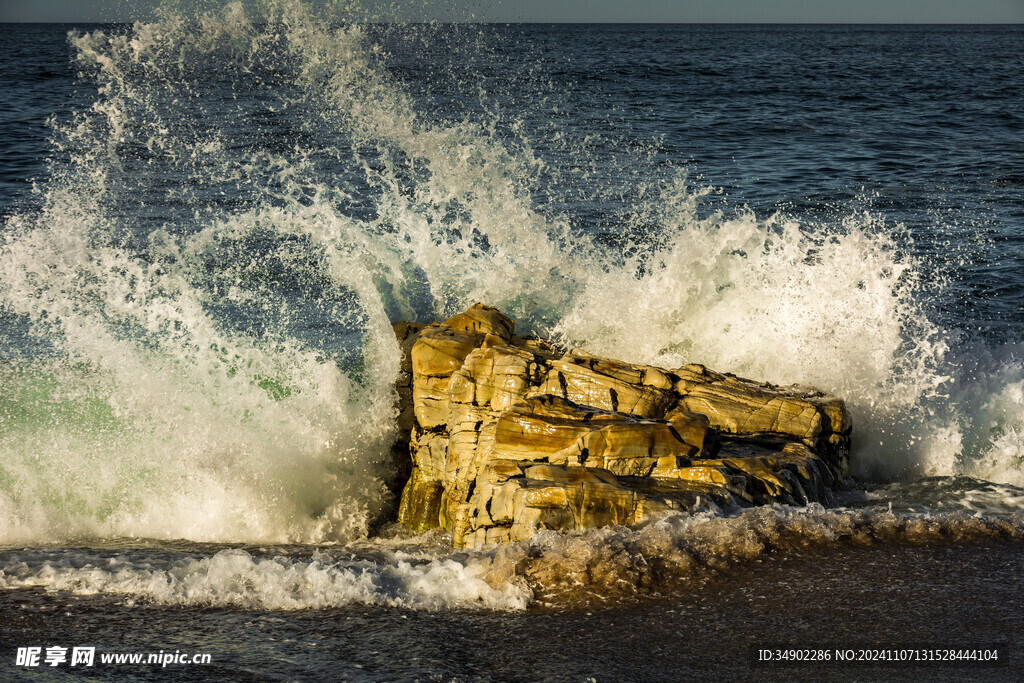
(608,563)
(236,578)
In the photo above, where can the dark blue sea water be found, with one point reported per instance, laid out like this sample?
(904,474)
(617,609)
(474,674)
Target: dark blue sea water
(208,225)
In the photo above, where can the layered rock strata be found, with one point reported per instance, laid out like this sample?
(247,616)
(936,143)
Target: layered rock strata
(509,435)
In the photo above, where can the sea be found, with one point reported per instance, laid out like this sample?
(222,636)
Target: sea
(209,221)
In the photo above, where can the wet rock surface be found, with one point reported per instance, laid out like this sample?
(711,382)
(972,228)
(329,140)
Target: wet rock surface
(509,435)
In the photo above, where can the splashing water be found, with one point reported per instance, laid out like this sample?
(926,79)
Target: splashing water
(610,563)
(198,342)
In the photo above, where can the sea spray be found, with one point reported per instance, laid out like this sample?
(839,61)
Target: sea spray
(218,415)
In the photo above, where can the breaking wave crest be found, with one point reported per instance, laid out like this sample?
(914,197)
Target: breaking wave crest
(680,550)
(235,578)
(556,569)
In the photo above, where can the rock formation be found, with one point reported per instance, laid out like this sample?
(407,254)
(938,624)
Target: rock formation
(509,435)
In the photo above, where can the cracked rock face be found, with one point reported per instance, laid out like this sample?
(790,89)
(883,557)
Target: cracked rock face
(510,435)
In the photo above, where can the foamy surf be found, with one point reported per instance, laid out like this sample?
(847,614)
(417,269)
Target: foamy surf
(238,579)
(671,554)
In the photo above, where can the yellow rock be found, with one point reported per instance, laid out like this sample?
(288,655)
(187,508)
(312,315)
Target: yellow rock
(560,432)
(421,503)
(573,379)
(430,454)
(530,520)
(741,409)
(439,351)
(605,504)
(569,475)
(483,320)
(741,406)
(646,375)
(535,496)
(548,497)
(690,376)
(430,400)
(500,375)
(510,435)
(539,347)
